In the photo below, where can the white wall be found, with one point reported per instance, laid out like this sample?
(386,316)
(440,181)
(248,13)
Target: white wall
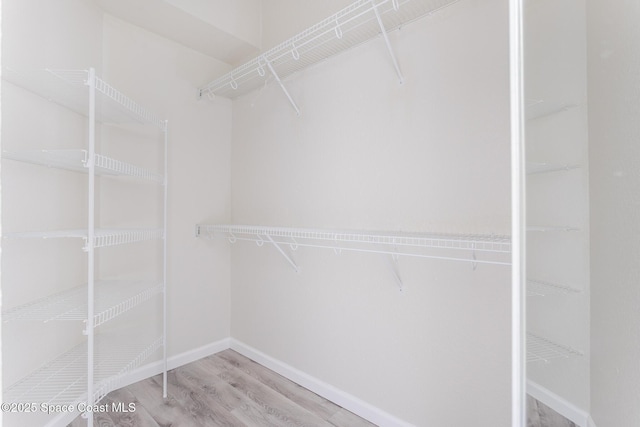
(431,155)
(238,17)
(614,130)
(282,19)
(164,75)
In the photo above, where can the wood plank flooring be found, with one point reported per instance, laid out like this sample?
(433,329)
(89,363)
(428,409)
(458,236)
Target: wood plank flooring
(230,390)
(540,415)
(226,390)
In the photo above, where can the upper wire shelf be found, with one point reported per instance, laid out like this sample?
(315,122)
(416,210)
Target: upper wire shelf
(493,249)
(76,160)
(112,298)
(102,237)
(541,349)
(63,381)
(351,26)
(69,88)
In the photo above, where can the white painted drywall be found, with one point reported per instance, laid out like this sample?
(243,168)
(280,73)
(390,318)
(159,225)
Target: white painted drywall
(282,19)
(431,155)
(614,131)
(238,17)
(180,21)
(164,75)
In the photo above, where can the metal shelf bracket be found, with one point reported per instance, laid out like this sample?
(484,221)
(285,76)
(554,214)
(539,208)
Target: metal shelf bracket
(383,30)
(284,254)
(284,89)
(393,265)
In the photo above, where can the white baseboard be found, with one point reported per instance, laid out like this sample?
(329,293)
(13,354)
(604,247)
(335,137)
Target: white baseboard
(173,362)
(329,392)
(559,404)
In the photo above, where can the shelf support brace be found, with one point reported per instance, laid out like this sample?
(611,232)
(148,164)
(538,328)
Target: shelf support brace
(393,264)
(284,254)
(284,89)
(387,42)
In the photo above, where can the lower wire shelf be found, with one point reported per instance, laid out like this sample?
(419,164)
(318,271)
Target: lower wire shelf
(539,288)
(112,298)
(63,381)
(541,349)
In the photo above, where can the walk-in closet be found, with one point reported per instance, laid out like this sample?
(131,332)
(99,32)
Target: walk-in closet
(335,213)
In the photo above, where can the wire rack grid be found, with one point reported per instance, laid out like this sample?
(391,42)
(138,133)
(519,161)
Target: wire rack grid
(541,288)
(536,168)
(129,104)
(540,349)
(76,160)
(351,26)
(69,89)
(408,244)
(64,380)
(113,298)
(102,237)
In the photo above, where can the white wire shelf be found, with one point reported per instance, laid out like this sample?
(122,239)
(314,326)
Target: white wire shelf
(535,168)
(102,237)
(492,249)
(112,298)
(76,160)
(540,349)
(64,380)
(69,88)
(538,108)
(539,288)
(552,228)
(351,26)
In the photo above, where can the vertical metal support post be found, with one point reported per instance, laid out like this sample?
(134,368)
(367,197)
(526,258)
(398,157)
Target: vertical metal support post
(164,262)
(518,217)
(284,89)
(387,42)
(90,242)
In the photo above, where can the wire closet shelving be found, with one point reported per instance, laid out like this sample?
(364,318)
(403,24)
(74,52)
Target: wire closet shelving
(541,349)
(112,298)
(77,161)
(539,288)
(93,368)
(480,249)
(357,23)
(101,237)
(63,381)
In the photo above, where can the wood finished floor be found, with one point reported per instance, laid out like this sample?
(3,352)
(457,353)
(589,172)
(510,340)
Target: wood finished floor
(227,390)
(540,415)
(230,390)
